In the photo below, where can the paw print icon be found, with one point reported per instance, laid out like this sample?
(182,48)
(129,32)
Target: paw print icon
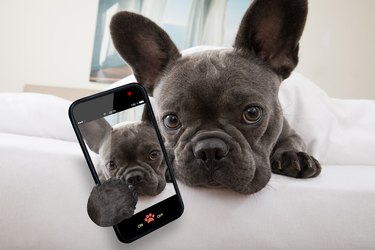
(149,218)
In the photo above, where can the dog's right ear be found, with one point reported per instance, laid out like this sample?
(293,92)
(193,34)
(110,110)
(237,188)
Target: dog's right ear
(271,29)
(95,132)
(145,46)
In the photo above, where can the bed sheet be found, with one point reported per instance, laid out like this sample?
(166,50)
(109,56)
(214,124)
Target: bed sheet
(44,185)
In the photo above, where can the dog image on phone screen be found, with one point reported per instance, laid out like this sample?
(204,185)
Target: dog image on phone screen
(218,110)
(130,164)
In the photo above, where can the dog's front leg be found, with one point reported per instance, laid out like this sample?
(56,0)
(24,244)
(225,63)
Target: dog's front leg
(289,157)
(170,153)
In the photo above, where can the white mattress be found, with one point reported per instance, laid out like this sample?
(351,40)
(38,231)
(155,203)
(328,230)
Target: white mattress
(45,183)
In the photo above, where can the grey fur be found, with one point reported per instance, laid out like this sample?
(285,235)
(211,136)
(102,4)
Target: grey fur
(129,146)
(111,202)
(209,93)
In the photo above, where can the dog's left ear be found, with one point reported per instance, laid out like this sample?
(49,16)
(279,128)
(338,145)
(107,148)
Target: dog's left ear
(95,132)
(271,29)
(145,46)
(146,116)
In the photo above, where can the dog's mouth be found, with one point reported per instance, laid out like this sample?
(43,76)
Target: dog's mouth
(216,159)
(214,183)
(143,182)
(211,171)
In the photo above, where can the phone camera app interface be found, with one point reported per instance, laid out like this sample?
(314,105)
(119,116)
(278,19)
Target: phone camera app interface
(123,145)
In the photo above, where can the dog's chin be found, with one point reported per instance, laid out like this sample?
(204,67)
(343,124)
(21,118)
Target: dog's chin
(248,180)
(151,189)
(213,185)
(248,189)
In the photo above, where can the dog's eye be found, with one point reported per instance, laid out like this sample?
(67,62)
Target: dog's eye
(171,121)
(154,154)
(252,114)
(111,165)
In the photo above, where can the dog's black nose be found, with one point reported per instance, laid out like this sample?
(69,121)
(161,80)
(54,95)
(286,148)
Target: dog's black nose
(134,177)
(210,149)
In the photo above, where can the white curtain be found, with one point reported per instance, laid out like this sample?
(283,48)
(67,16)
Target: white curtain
(107,49)
(206,23)
(154,10)
(213,32)
(149,8)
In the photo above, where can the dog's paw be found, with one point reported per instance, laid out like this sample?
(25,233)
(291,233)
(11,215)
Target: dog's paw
(111,202)
(295,164)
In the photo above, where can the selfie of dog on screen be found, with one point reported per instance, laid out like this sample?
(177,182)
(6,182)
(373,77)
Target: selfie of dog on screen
(218,110)
(130,164)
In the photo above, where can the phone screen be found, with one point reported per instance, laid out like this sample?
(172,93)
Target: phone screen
(119,136)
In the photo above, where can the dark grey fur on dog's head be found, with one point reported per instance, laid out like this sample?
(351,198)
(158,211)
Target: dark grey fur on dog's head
(218,110)
(129,151)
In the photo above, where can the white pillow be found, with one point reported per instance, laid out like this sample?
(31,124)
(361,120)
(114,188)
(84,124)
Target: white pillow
(35,115)
(335,131)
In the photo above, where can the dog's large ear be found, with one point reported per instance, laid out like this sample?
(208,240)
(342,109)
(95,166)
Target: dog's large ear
(146,116)
(271,29)
(95,132)
(144,46)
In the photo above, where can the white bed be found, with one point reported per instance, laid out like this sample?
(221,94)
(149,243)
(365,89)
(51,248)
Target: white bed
(45,183)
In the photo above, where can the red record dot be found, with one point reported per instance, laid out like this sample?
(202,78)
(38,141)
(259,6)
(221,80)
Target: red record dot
(130,93)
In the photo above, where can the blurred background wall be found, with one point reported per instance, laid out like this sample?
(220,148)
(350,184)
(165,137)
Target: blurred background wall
(338,47)
(50,42)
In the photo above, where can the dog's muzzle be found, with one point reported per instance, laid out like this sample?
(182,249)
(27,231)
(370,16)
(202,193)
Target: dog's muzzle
(134,176)
(143,179)
(209,151)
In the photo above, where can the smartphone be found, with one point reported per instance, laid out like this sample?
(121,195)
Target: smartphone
(108,147)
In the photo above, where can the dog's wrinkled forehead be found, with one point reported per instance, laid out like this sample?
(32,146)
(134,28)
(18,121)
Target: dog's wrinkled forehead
(210,76)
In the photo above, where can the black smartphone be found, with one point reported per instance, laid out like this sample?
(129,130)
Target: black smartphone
(122,149)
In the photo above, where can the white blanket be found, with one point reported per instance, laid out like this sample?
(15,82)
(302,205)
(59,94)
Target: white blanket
(336,131)
(45,183)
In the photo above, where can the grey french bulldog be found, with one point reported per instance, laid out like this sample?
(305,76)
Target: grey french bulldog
(130,164)
(218,110)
